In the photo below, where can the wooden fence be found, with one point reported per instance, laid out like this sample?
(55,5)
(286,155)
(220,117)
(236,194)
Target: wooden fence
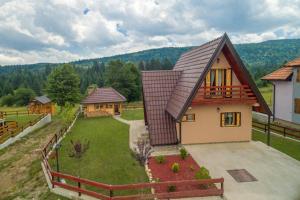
(111,192)
(278,129)
(3,114)
(11,129)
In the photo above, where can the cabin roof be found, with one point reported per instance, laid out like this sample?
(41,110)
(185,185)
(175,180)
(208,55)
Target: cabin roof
(157,89)
(42,99)
(281,74)
(293,63)
(104,95)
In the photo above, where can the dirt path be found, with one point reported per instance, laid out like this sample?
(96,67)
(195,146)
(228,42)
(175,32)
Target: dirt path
(21,175)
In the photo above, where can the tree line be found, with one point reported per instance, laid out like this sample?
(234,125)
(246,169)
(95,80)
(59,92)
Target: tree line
(19,86)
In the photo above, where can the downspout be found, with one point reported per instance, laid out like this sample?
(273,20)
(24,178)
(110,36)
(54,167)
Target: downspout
(179,132)
(268,133)
(274,89)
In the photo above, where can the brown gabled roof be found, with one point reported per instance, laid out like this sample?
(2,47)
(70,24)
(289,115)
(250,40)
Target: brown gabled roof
(193,64)
(281,74)
(293,63)
(157,89)
(104,95)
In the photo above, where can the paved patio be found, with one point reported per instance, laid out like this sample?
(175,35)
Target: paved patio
(278,175)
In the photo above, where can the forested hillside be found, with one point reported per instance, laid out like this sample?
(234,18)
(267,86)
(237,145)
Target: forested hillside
(260,58)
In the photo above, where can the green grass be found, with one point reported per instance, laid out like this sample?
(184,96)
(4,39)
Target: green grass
(133,114)
(267,93)
(289,147)
(108,159)
(13,108)
(21,119)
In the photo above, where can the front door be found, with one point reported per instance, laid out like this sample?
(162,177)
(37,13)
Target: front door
(116,109)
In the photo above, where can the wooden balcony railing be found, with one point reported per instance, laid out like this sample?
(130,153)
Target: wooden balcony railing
(225,94)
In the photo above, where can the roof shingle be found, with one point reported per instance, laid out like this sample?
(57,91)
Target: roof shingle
(281,74)
(104,95)
(42,99)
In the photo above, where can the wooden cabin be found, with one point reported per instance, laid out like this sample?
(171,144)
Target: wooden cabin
(208,97)
(103,102)
(41,104)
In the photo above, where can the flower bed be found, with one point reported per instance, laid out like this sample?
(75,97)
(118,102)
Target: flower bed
(163,171)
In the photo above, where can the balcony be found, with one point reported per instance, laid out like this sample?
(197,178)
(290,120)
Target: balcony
(224,94)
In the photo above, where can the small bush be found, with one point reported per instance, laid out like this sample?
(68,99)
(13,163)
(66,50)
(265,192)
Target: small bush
(203,173)
(183,153)
(160,159)
(171,188)
(175,167)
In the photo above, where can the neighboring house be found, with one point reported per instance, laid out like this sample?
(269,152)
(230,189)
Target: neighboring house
(41,104)
(286,91)
(103,102)
(208,97)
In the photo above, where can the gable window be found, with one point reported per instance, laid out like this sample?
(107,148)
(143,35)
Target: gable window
(230,119)
(297,106)
(216,81)
(188,118)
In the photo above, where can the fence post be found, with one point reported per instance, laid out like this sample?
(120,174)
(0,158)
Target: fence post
(222,188)
(284,133)
(269,136)
(111,193)
(265,128)
(79,186)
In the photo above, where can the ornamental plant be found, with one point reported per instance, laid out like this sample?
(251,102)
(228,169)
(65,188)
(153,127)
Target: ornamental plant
(171,188)
(175,167)
(203,173)
(183,153)
(160,159)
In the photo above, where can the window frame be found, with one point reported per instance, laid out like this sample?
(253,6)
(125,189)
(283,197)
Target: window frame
(298,76)
(97,106)
(185,117)
(235,114)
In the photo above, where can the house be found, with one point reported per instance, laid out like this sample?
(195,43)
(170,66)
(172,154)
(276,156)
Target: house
(208,97)
(286,91)
(41,104)
(103,102)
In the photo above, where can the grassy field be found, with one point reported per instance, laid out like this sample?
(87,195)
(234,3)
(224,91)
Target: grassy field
(267,93)
(289,147)
(108,158)
(133,114)
(4,108)
(21,119)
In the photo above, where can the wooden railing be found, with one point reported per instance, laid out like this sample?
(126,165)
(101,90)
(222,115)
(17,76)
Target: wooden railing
(3,114)
(111,192)
(215,94)
(278,129)
(11,129)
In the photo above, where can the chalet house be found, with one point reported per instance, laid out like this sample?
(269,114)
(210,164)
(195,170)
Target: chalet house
(286,91)
(41,104)
(103,102)
(208,97)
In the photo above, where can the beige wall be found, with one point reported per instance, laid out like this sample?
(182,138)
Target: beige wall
(206,127)
(91,110)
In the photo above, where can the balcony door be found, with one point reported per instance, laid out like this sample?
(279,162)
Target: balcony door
(218,82)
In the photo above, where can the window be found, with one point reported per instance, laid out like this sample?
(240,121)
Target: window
(217,78)
(230,119)
(297,106)
(298,75)
(188,118)
(108,105)
(96,106)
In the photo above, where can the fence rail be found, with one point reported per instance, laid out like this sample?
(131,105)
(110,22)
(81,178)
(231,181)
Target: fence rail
(11,129)
(281,130)
(17,112)
(108,192)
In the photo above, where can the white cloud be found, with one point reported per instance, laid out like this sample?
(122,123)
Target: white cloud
(62,30)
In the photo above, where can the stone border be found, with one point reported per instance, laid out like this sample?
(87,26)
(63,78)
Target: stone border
(26,131)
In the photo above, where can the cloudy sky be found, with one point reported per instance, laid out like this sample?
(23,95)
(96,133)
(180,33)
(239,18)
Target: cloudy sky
(34,31)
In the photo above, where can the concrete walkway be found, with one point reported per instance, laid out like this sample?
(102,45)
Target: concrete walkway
(278,175)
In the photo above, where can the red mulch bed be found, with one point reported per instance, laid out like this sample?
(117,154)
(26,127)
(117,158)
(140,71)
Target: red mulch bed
(163,172)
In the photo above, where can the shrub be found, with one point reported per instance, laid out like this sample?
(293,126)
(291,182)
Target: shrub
(160,159)
(175,167)
(171,188)
(203,173)
(143,151)
(183,153)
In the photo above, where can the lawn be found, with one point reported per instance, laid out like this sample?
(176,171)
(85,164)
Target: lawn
(21,119)
(133,114)
(108,158)
(267,93)
(13,108)
(287,146)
